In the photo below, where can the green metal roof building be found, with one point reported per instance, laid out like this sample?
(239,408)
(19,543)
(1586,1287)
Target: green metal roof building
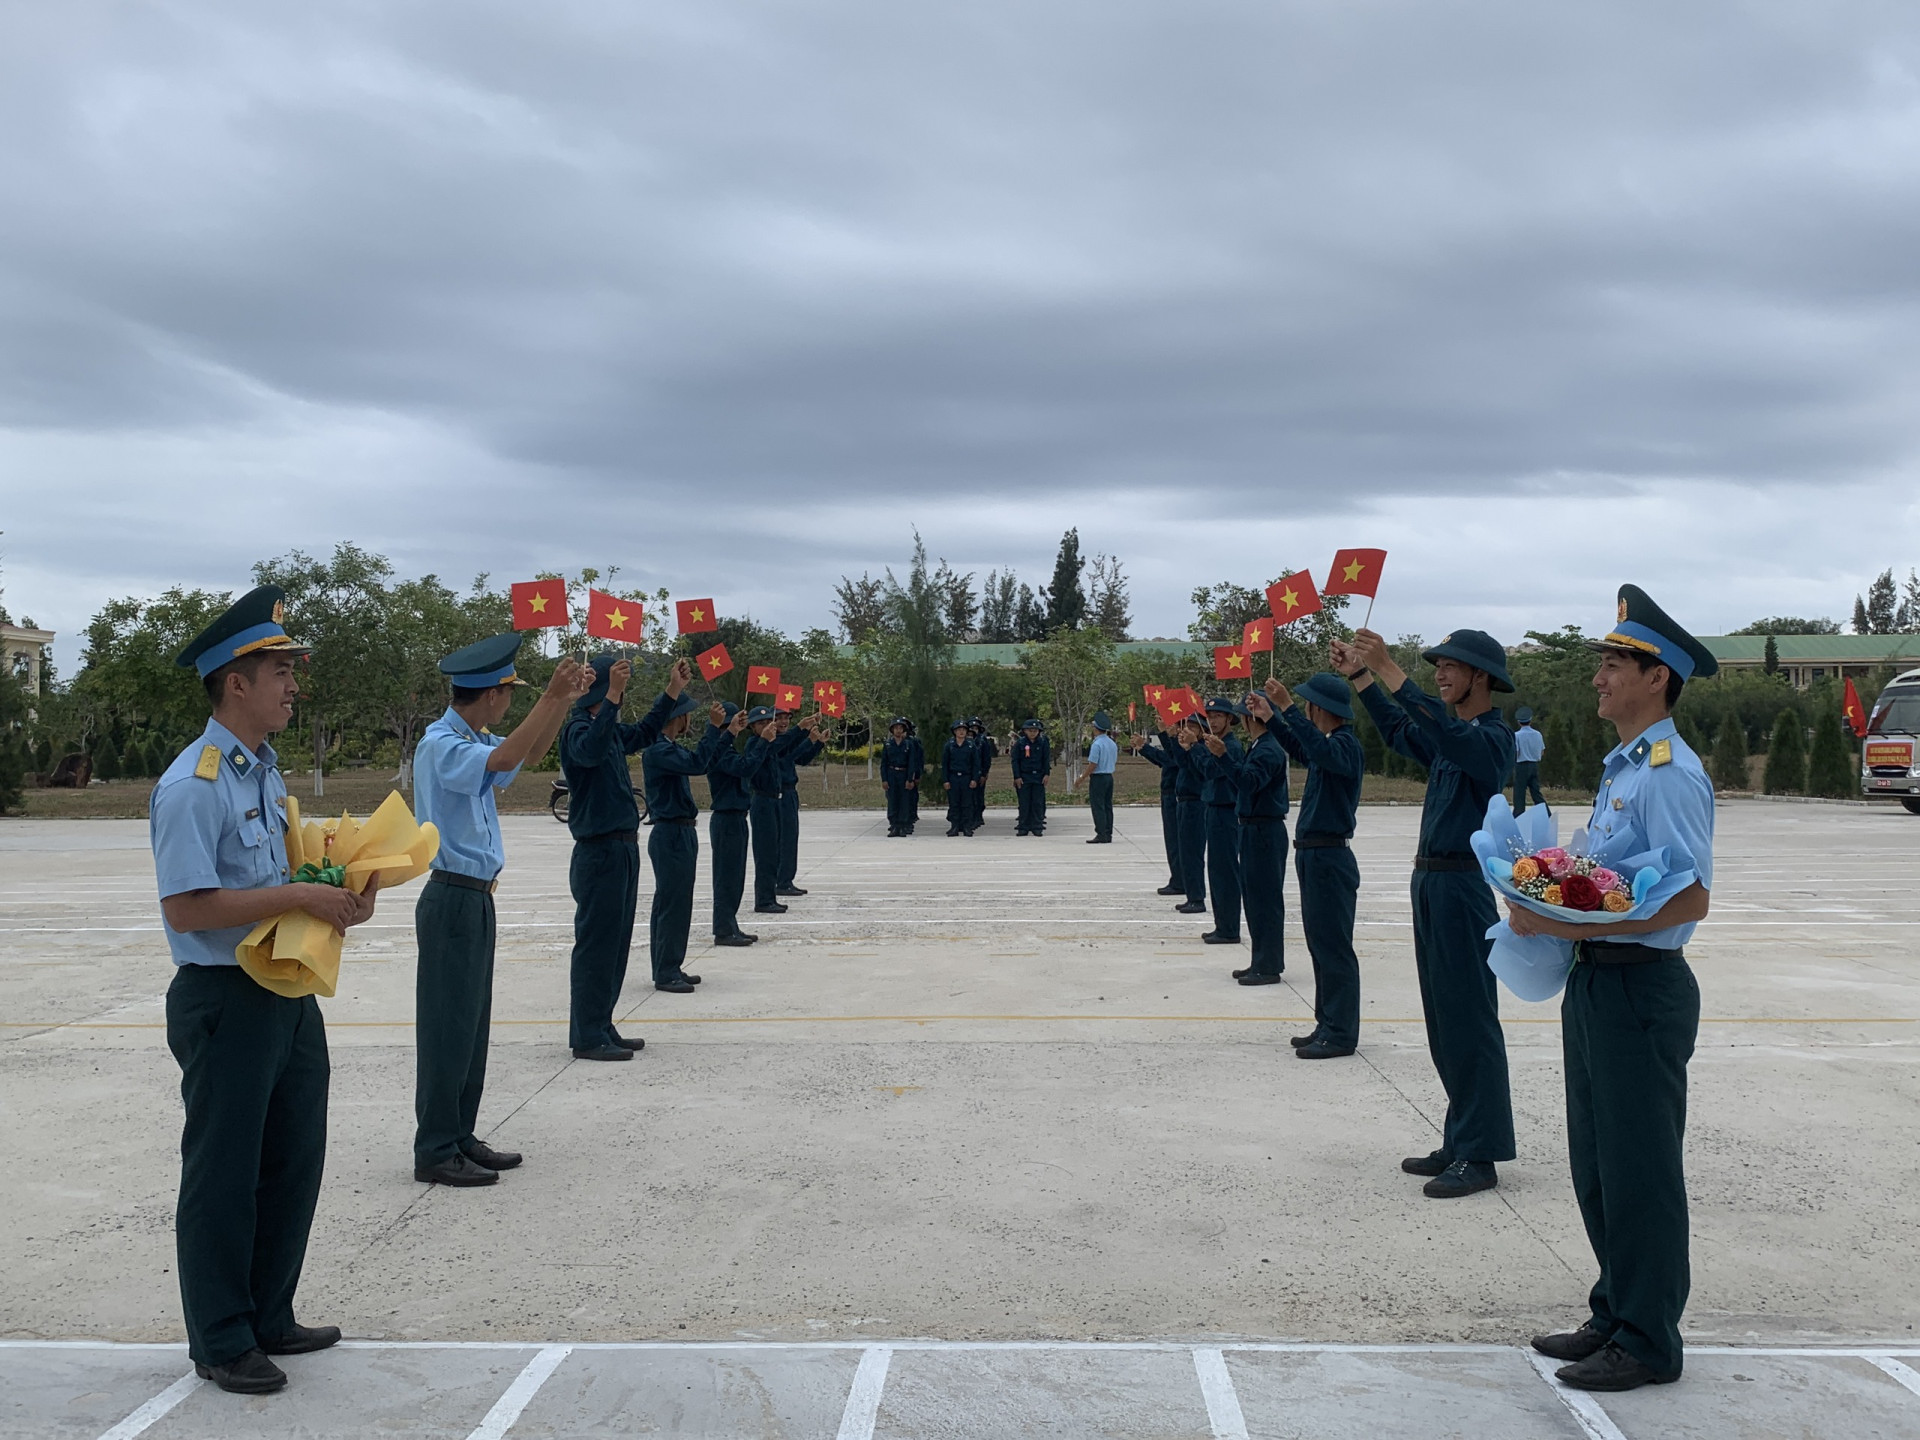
(1807,658)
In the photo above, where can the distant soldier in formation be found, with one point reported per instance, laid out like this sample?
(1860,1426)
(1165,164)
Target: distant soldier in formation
(1219,798)
(253,1064)
(917,765)
(1164,754)
(458,767)
(1468,756)
(960,769)
(729,786)
(1322,740)
(1528,746)
(1032,763)
(1102,757)
(1188,782)
(898,778)
(987,749)
(765,810)
(673,848)
(1259,780)
(793,748)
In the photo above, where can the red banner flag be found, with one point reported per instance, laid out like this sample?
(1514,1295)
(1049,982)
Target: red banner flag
(1178,705)
(696,617)
(1155,695)
(1129,712)
(763,679)
(1355,572)
(1293,598)
(538,604)
(824,690)
(1855,712)
(832,705)
(787,697)
(1230,663)
(1256,637)
(713,663)
(611,618)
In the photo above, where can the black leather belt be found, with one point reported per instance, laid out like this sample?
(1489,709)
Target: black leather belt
(1319,842)
(1613,952)
(464,882)
(675,820)
(632,836)
(1188,799)
(1446,864)
(1263,819)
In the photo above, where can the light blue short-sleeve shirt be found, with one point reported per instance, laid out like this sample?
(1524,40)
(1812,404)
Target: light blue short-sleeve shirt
(453,788)
(1528,745)
(1103,755)
(227,832)
(1668,804)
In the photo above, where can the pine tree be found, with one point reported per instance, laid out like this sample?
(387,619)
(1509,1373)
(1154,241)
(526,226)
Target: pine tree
(1771,661)
(1066,599)
(1786,772)
(106,760)
(1729,765)
(1883,603)
(1830,765)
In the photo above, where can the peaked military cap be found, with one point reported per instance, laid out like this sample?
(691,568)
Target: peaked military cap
(1329,691)
(1643,627)
(602,672)
(1523,716)
(760,714)
(1102,722)
(1475,648)
(485,663)
(250,625)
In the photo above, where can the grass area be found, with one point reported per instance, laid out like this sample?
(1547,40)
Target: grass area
(831,788)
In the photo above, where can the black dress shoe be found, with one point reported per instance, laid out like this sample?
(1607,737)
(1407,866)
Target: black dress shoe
(1462,1177)
(731,940)
(305,1339)
(626,1044)
(1298,1040)
(1259,979)
(1169,890)
(249,1374)
(1322,1050)
(690,979)
(672,987)
(458,1171)
(749,937)
(606,1052)
(789,890)
(487,1158)
(774,909)
(1214,937)
(1190,908)
(952,833)
(1430,1164)
(1570,1345)
(1611,1369)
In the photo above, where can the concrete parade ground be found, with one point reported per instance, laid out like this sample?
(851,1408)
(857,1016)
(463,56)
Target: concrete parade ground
(978,1141)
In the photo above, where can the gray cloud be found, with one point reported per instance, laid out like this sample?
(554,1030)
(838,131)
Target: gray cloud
(515,286)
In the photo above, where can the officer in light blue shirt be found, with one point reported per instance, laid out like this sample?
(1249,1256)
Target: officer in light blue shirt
(1528,746)
(1631,1013)
(253,1064)
(1102,756)
(458,766)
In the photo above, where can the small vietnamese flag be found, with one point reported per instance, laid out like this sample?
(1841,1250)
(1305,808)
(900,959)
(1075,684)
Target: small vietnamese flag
(713,663)
(831,704)
(538,604)
(696,617)
(763,679)
(1256,637)
(1293,597)
(1230,663)
(1129,712)
(825,690)
(787,698)
(1355,572)
(1855,713)
(611,618)
(1179,704)
(1156,695)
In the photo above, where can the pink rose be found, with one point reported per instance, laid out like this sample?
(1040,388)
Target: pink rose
(1554,856)
(1562,868)
(1607,880)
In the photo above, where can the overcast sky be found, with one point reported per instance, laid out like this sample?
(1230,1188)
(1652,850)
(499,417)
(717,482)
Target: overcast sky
(1538,297)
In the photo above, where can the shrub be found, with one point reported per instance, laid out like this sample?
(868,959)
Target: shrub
(1786,772)
(1729,763)
(1830,764)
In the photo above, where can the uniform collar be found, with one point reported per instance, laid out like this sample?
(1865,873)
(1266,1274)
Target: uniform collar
(1635,751)
(228,743)
(454,718)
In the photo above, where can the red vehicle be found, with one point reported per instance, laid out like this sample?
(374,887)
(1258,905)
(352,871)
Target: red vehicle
(1889,754)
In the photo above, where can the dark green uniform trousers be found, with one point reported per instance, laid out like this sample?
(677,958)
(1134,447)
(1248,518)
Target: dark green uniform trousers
(1100,801)
(1193,849)
(1223,868)
(1526,780)
(727,836)
(1263,891)
(913,800)
(980,798)
(1628,1032)
(764,812)
(253,1078)
(1170,837)
(789,837)
(605,879)
(1032,799)
(897,805)
(1329,886)
(1452,912)
(452,1017)
(674,849)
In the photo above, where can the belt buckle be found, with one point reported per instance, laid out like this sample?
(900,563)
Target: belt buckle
(493,885)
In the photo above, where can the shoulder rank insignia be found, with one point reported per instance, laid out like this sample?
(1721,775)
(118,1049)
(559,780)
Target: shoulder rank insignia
(237,757)
(1662,753)
(209,766)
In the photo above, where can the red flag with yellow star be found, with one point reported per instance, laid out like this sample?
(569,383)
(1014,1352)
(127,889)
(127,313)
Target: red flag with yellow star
(611,618)
(825,690)
(1855,712)
(1293,598)
(1178,705)
(1256,637)
(831,705)
(1355,572)
(787,697)
(538,604)
(696,617)
(714,663)
(1230,663)
(763,679)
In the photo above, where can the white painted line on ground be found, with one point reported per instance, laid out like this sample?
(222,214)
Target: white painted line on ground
(1899,1370)
(863,1400)
(138,1422)
(497,1421)
(1216,1388)
(1594,1422)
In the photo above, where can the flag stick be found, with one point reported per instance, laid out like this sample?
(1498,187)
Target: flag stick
(1369,620)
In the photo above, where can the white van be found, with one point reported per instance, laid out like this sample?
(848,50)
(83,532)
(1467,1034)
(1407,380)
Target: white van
(1887,756)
